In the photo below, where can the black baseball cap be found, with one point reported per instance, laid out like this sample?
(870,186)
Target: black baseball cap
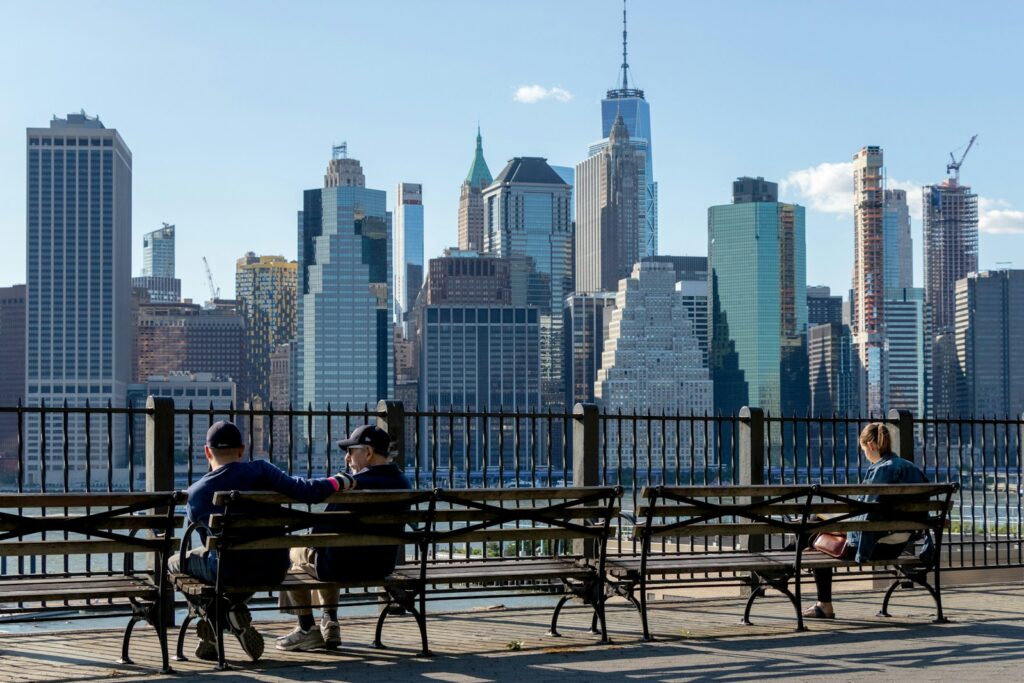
(223,434)
(368,435)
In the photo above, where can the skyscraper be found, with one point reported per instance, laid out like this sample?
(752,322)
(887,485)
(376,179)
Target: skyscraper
(868,300)
(609,215)
(908,332)
(266,288)
(408,256)
(79,226)
(466,277)
(757,256)
(897,246)
(527,220)
(832,370)
(345,350)
(652,362)
(185,337)
(950,212)
(989,336)
(587,317)
(158,252)
(471,206)
(630,103)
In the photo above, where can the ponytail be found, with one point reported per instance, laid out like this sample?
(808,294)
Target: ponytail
(878,434)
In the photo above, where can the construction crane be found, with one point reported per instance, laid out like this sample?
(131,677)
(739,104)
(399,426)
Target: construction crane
(954,165)
(214,290)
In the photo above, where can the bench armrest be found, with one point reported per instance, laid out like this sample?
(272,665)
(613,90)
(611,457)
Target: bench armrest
(186,541)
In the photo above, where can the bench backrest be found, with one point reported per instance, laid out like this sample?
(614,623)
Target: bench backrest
(87,523)
(702,511)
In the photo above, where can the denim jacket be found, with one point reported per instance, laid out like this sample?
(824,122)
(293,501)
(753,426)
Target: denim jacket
(891,469)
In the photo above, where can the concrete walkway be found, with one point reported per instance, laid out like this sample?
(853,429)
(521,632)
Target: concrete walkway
(698,639)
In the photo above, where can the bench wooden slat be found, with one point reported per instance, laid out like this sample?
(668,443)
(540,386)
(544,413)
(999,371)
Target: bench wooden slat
(69,547)
(553,493)
(687,510)
(375,496)
(413,517)
(82,500)
(15,591)
(121,522)
(729,562)
(504,534)
(325,540)
(725,491)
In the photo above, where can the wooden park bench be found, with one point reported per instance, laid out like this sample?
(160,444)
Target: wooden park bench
(696,525)
(452,532)
(84,530)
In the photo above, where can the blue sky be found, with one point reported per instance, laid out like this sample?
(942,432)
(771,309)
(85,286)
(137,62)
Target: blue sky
(230,108)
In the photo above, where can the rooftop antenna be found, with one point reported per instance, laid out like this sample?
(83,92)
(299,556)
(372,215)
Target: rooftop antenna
(339,151)
(625,62)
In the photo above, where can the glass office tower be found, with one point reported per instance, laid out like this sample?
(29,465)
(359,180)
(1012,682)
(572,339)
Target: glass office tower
(408,256)
(79,226)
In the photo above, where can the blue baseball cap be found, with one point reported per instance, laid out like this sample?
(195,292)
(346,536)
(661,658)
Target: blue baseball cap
(223,434)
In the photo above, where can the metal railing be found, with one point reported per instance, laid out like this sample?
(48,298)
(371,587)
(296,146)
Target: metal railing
(159,447)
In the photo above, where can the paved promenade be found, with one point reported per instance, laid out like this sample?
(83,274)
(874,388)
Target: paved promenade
(697,640)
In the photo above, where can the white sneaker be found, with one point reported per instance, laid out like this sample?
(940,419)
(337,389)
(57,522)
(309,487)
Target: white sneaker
(301,640)
(331,632)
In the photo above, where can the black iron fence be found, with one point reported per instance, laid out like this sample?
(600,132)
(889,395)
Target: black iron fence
(159,447)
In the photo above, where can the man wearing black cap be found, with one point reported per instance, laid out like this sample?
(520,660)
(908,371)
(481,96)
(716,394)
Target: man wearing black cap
(367,458)
(229,472)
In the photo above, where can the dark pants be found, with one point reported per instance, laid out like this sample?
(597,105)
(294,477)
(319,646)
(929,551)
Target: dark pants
(823,577)
(201,565)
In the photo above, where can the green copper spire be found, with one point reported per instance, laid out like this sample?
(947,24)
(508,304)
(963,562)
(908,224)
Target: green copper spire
(479,175)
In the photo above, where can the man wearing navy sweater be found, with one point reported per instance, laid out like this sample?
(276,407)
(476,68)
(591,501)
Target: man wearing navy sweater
(367,456)
(229,472)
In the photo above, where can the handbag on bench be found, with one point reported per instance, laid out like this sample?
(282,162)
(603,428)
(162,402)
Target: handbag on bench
(832,544)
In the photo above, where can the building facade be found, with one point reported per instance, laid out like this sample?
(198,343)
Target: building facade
(908,331)
(184,337)
(527,220)
(822,307)
(587,317)
(345,353)
(897,245)
(757,257)
(12,373)
(471,203)
(266,288)
(832,369)
(868,298)
(79,226)
(652,362)
(158,252)
(408,256)
(466,277)
(609,214)
(989,337)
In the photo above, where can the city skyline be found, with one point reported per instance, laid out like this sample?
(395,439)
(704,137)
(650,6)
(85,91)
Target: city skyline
(546,104)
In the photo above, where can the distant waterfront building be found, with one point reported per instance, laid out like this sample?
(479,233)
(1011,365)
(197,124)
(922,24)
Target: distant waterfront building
(200,390)
(280,392)
(471,203)
(822,307)
(897,245)
(908,331)
(461,277)
(757,257)
(610,219)
(345,352)
(950,213)
(868,299)
(652,362)
(527,220)
(158,252)
(159,289)
(408,241)
(587,317)
(185,337)
(266,288)
(12,372)
(832,368)
(630,103)
(79,340)
(989,337)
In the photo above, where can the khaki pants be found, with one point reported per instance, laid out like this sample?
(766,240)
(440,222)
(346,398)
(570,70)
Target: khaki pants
(300,601)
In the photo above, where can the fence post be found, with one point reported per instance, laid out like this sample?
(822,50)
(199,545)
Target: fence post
(391,418)
(585,466)
(751,460)
(903,438)
(160,466)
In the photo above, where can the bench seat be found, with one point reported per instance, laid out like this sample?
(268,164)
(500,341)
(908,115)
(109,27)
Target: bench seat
(77,587)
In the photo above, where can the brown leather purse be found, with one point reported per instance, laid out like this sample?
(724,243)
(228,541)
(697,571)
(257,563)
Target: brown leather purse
(832,544)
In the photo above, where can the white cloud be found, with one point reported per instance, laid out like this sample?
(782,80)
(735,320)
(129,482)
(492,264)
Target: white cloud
(828,187)
(997,217)
(531,94)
